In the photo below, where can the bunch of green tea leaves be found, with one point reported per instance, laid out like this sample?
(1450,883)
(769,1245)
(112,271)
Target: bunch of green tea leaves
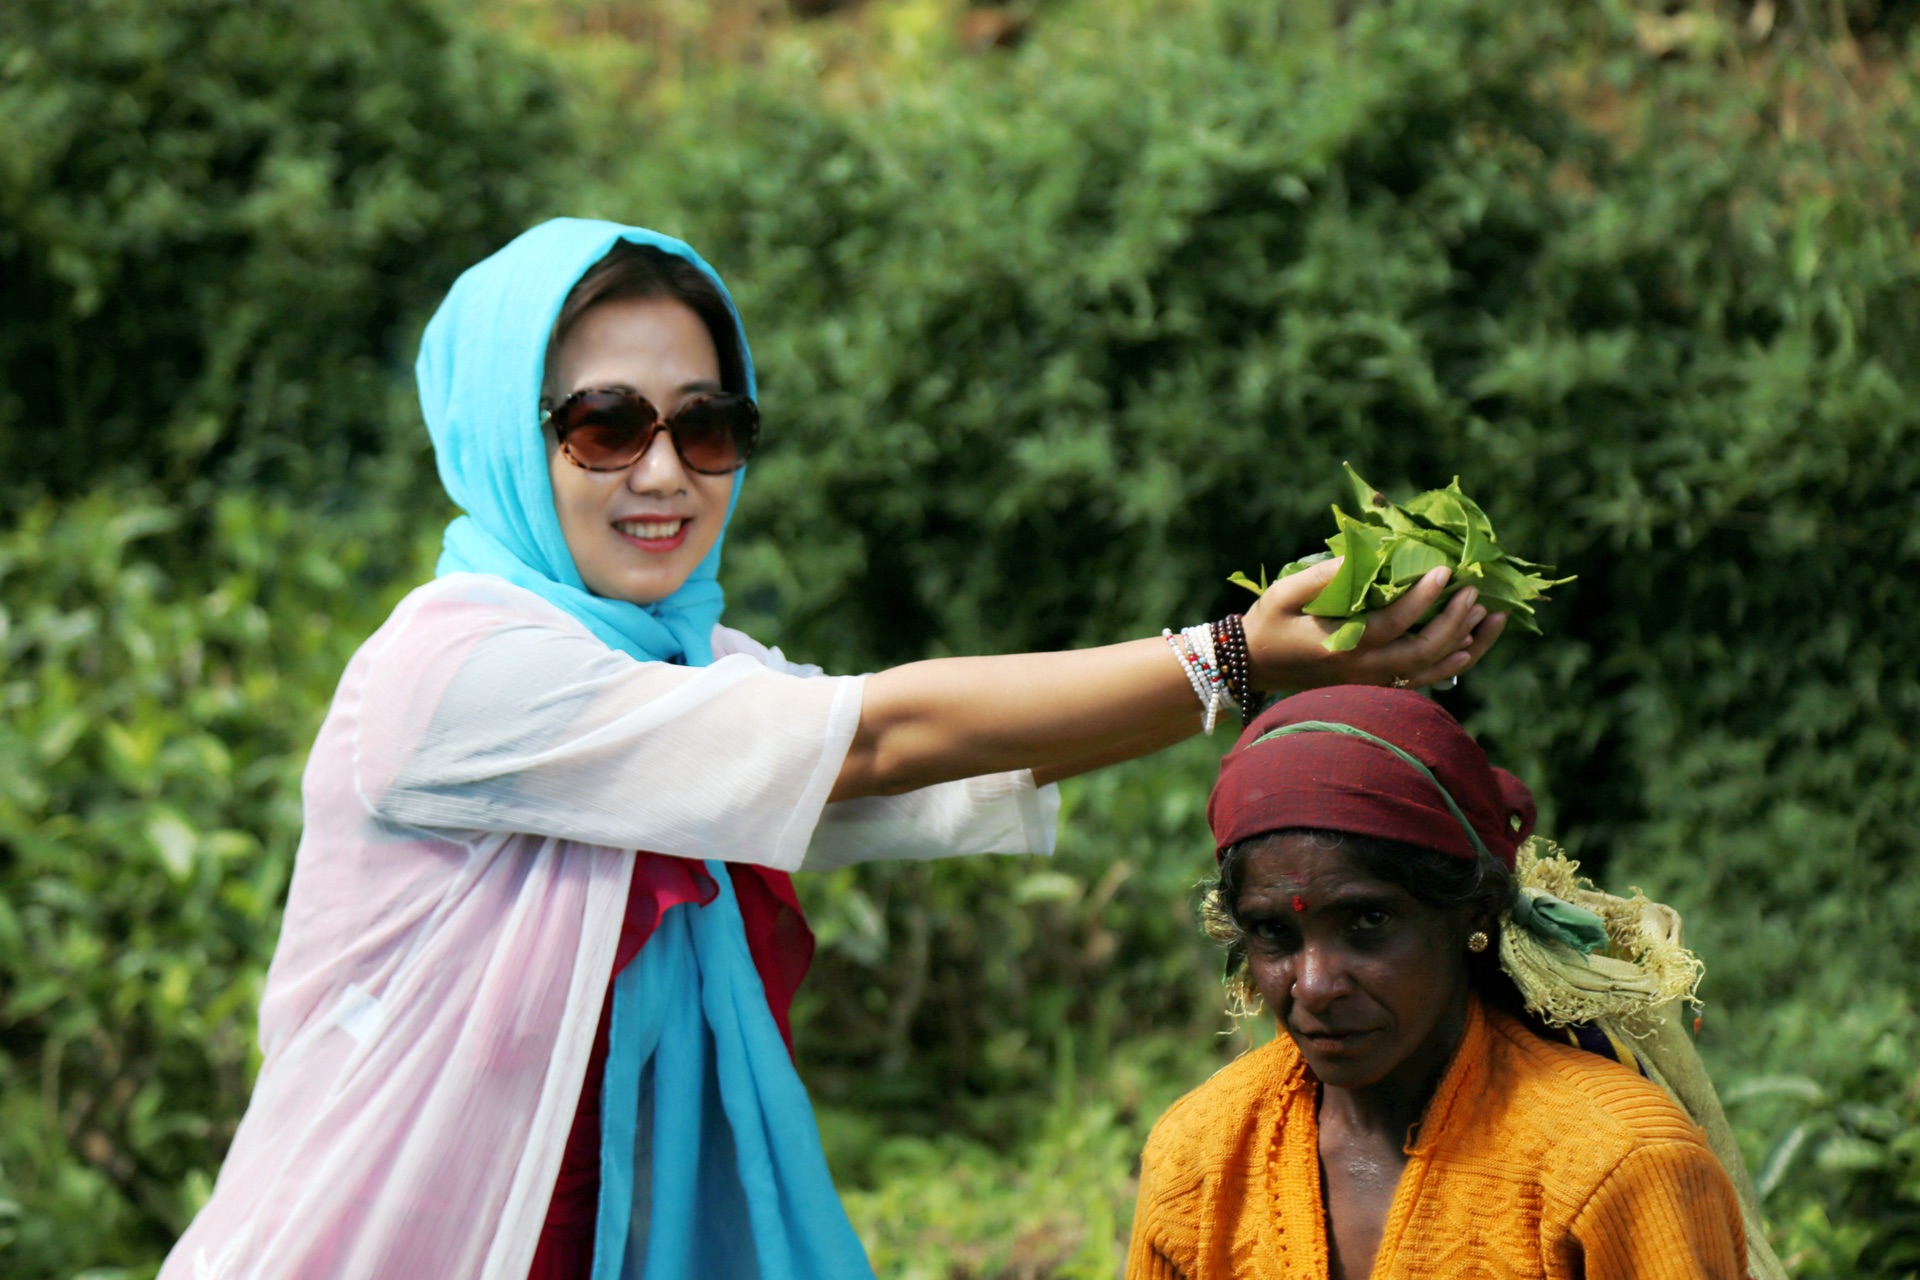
(1388,548)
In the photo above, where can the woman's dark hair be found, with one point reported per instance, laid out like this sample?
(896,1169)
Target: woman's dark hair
(642,271)
(1438,880)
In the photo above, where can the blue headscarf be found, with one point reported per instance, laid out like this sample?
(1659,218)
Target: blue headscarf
(481,364)
(710,1159)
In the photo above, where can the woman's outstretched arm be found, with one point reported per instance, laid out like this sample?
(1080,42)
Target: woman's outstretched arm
(1063,713)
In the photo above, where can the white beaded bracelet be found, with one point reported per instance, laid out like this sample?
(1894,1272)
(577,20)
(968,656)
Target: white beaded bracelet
(1201,640)
(1203,673)
(1188,667)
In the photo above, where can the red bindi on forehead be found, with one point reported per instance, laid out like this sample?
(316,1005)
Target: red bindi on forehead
(1299,903)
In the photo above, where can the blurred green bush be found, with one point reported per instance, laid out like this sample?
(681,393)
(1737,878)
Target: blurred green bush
(154,721)
(220,224)
(1050,341)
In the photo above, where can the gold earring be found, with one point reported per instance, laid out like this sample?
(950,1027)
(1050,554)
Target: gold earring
(1478,941)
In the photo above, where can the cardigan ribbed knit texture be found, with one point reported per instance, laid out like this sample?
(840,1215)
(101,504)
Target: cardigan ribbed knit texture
(1533,1160)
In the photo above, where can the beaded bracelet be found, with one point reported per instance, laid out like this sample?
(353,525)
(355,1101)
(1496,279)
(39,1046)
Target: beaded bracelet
(1203,679)
(1230,643)
(1200,644)
(1178,643)
(1194,648)
(1200,639)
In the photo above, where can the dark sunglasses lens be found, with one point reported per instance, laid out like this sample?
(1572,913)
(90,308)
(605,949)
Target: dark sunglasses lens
(605,429)
(717,434)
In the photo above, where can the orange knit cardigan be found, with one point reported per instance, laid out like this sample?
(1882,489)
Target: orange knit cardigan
(1533,1159)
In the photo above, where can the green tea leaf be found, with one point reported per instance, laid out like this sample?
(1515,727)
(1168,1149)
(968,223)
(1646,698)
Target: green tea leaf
(1360,544)
(1259,588)
(1389,548)
(1346,635)
(1452,510)
(1399,521)
(1304,562)
(1478,547)
(1411,559)
(1367,500)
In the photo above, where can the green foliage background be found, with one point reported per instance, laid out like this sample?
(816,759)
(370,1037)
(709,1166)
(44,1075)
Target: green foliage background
(1051,339)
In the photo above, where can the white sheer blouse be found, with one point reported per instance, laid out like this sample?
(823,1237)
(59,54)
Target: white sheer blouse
(471,805)
(539,727)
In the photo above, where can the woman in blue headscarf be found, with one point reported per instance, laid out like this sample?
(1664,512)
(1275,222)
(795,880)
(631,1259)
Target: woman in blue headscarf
(527,1015)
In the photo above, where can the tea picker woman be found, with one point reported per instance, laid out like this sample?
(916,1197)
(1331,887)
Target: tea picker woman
(1479,1071)
(527,1015)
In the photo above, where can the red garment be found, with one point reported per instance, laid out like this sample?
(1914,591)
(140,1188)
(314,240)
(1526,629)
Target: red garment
(782,948)
(1335,782)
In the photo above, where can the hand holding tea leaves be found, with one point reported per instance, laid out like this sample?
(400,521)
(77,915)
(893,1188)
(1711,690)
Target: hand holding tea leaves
(1389,548)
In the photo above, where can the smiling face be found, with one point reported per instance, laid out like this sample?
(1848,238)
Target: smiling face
(636,534)
(1370,983)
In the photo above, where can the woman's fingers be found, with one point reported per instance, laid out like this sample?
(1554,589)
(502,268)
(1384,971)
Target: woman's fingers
(1412,651)
(1464,659)
(1448,632)
(1292,592)
(1391,622)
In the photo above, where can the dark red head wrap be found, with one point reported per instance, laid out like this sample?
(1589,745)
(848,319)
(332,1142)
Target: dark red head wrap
(1334,781)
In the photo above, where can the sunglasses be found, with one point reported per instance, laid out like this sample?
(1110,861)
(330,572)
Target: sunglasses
(606,429)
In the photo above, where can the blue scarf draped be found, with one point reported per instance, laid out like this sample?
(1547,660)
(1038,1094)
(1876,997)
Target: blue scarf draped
(732,1183)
